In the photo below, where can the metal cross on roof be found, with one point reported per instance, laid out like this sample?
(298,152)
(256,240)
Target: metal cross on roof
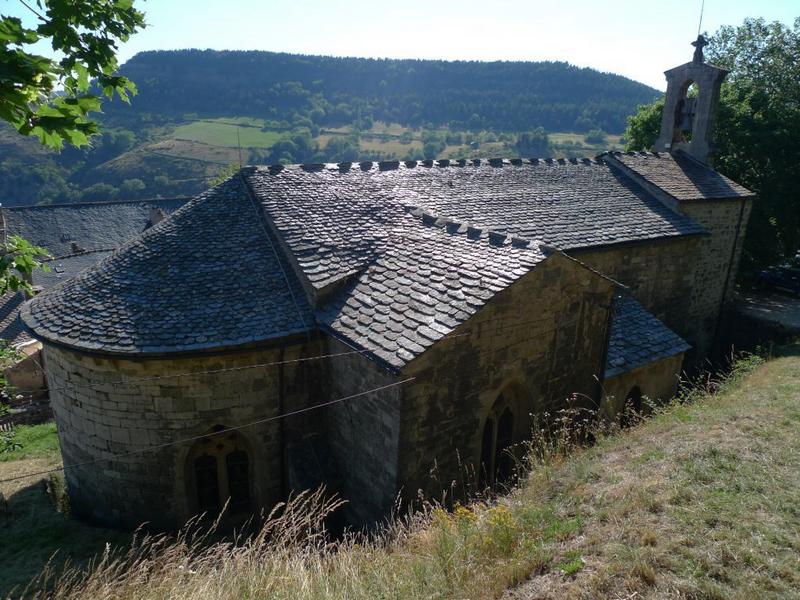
(699,44)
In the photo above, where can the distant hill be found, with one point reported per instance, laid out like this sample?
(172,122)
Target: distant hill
(198,111)
(328,91)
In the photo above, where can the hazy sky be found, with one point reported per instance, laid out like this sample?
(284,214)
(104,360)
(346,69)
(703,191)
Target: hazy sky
(636,38)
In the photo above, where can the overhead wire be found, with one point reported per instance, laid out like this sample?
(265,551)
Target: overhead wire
(251,423)
(208,435)
(362,350)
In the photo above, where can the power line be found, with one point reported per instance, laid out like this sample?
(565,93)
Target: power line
(207,435)
(252,423)
(362,350)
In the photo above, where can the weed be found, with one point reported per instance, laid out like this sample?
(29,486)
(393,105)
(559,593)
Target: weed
(571,563)
(645,523)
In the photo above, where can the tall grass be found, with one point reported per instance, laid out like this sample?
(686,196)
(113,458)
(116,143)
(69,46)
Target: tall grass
(472,551)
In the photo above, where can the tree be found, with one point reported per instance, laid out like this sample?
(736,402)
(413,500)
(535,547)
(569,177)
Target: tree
(100,192)
(52,98)
(595,136)
(534,143)
(433,148)
(86,33)
(17,262)
(132,188)
(757,135)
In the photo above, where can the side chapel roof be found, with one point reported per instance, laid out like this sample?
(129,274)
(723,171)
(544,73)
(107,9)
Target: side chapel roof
(638,338)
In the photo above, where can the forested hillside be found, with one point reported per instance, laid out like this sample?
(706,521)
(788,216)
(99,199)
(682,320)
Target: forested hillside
(199,111)
(501,96)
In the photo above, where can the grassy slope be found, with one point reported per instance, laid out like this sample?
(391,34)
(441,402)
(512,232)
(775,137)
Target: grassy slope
(698,502)
(701,502)
(33,530)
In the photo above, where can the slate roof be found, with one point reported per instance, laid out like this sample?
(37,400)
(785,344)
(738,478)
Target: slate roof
(12,331)
(335,220)
(208,276)
(389,257)
(638,338)
(66,267)
(421,287)
(681,176)
(97,228)
(90,225)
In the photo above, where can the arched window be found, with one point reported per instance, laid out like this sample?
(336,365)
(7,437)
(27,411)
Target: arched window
(205,474)
(497,463)
(220,473)
(633,407)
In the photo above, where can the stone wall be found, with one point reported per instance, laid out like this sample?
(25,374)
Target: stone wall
(682,281)
(716,266)
(660,275)
(536,342)
(362,434)
(658,382)
(99,418)
(28,373)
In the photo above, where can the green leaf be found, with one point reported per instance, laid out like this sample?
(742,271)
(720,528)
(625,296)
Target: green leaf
(11,30)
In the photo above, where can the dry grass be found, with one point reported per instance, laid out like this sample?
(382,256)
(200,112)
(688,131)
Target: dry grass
(698,502)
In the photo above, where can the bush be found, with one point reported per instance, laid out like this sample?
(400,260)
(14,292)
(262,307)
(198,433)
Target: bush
(596,136)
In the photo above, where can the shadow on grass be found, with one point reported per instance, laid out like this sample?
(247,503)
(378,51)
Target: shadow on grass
(791,349)
(34,532)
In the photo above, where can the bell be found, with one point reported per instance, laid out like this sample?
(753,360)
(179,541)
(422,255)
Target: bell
(687,114)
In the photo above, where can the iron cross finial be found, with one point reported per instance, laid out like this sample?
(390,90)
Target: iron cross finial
(699,44)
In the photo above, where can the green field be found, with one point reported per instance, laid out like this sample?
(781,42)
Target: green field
(223,132)
(383,139)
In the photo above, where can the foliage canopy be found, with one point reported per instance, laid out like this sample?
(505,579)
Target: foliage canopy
(757,137)
(52,98)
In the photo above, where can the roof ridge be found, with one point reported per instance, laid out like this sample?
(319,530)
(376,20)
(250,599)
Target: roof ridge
(385,165)
(82,253)
(495,237)
(98,203)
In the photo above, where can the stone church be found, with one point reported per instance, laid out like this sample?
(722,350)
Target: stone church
(377,326)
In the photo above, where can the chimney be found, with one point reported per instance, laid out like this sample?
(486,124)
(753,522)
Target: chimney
(156,216)
(688,121)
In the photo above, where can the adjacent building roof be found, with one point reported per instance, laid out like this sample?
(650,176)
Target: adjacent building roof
(638,338)
(12,331)
(389,256)
(208,276)
(61,269)
(77,236)
(67,229)
(681,176)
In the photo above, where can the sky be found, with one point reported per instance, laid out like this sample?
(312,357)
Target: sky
(639,39)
